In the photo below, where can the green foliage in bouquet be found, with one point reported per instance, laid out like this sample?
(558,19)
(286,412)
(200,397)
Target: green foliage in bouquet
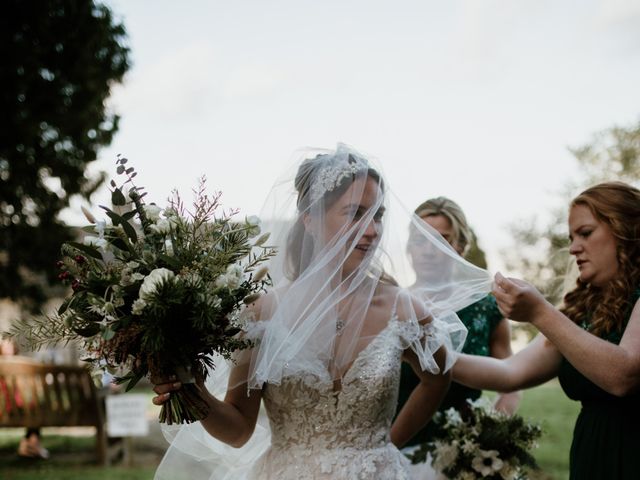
(157,292)
(480,442)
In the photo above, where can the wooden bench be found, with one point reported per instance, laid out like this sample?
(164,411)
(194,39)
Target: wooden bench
(34,394)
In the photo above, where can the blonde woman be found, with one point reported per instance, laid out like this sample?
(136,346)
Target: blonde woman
(488,334)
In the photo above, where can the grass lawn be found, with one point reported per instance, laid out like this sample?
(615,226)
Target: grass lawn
(548,405)
(72,456)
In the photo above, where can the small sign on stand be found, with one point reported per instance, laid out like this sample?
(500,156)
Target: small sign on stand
(126,417)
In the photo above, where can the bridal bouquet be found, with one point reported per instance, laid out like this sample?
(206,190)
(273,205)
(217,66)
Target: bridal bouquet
(157,291)
(481,443)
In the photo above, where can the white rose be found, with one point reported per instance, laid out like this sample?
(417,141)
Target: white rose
(151,282)
(162,226)
(152,212)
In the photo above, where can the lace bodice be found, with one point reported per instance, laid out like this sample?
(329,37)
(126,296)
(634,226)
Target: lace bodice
(319,433)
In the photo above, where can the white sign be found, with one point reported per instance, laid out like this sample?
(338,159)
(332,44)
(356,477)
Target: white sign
(126,415)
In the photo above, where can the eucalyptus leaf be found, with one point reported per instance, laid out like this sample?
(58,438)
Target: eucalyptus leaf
(117,198)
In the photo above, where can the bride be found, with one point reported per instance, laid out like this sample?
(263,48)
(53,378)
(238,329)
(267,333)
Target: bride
(329,340)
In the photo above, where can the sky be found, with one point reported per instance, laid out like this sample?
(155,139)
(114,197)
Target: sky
(477,101)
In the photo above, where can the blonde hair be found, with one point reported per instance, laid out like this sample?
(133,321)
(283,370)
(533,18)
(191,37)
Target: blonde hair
(606,308)
(462,235)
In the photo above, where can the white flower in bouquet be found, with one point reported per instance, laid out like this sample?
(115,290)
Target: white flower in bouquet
(93,241)
(469,446)
(508,472)
(100,226)
(153,280)
(254,222)
(152,212)
(445,455)
(487,462)
(161,227)
(453,417)
(232,279)
(467,476)
(138,306)
(168,246)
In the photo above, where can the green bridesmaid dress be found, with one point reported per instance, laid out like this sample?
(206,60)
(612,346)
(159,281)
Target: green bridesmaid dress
(606,438)
(481,319)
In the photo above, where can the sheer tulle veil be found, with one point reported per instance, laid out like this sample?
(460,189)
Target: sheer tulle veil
(350,257)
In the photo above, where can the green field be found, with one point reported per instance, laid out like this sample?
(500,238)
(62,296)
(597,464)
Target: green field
(72,457)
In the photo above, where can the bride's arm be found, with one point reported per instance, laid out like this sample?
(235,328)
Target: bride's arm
(423,401)
(534,365)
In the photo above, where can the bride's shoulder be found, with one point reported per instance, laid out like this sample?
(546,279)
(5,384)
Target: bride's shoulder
(262,308)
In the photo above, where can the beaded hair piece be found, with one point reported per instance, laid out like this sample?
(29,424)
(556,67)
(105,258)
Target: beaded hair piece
(335,170)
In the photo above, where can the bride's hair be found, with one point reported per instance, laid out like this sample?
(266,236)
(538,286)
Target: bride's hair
(299,246)
(606,308)
(449,209)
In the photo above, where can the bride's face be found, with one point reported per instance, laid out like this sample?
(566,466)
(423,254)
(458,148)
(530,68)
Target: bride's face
(348,213)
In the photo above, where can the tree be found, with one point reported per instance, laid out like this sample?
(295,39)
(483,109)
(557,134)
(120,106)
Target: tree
(540,251)
(60,59)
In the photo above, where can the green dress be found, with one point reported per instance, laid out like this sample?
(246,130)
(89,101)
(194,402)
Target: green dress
(606,438)
(481,319)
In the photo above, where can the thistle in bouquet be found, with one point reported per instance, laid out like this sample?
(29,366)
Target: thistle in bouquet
(480,442)
(158,291)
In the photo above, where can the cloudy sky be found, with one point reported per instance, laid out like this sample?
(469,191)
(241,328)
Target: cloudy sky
(477,101)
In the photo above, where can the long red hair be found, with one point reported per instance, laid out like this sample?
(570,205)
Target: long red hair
(606,308)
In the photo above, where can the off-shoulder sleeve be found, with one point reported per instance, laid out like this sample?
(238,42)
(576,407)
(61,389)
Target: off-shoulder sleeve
(425,333)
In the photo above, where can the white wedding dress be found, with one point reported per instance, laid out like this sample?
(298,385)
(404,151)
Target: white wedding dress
(317,433)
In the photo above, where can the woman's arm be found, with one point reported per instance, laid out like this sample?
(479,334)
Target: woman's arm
(535,364)
(423,401)
(614,368)
(231,421)
(500,347)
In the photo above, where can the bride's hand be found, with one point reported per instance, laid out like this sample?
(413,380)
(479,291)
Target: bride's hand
(517,299)
(164,387)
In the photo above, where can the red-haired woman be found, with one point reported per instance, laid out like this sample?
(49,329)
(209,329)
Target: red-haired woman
(592,344)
